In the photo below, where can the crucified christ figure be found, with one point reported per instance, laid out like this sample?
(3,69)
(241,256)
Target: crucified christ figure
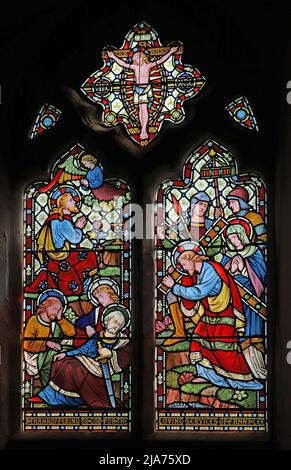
(141,67)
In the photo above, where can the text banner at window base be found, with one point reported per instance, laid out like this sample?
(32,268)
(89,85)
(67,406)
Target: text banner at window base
(75,421)
(211,421)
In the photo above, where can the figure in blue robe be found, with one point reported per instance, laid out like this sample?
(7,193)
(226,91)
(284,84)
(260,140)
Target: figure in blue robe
(247,264)
(83,376)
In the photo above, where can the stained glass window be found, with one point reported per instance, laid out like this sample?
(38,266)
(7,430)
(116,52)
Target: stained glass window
(77,300)
(211,297)
(242,113)
(143,84)
(47,118)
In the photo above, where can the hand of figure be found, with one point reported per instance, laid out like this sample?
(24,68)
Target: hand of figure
(53,345)
(218,212)
(84,182)
(168,281)
(104,352)
(174,49)
(240,262)
(234,266)
(110,54)
(90,331)
(59,316)
(59,357)
(81,222)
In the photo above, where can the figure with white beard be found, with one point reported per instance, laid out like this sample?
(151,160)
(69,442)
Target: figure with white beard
(83,376)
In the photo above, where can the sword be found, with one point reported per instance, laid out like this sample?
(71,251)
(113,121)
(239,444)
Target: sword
(180,214)
(107,378)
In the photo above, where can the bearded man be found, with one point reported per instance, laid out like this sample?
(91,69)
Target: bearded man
(213,300)
(43,334)
(83,376)
(101,293)
(64,266)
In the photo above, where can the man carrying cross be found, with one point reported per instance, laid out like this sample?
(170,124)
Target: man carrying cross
(209,292)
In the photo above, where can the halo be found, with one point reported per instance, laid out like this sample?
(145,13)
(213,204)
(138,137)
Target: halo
(185,246)
(78,159)
(240,221)
(64,188)
(100,282)
(137,49)
(52,293)
(119,308)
